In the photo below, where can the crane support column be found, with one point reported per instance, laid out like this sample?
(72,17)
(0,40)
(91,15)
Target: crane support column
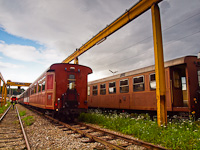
(2,94)
(76,60)
(5,95)
(159,66)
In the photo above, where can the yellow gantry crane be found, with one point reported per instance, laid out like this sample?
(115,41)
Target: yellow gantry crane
(4,91)
(4,88)
(135,11)
(18,84)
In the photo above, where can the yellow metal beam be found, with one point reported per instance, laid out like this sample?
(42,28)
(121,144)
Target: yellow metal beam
(0,85)
(125,18)
(2,94)
(159,67)
(17,83)
(5,95)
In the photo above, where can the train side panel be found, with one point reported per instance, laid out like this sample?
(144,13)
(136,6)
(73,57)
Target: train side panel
(139,91)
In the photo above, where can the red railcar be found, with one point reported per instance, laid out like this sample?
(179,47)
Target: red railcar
(61,89)
(136,90)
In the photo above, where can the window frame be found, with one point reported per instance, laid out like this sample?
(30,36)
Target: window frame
(152,81)
(135,84)
(95,90)
(114,88)
(88,91)
(121,86)
(103,90)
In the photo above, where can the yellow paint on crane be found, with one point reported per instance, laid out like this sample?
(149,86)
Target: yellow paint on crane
(9,83)
(125,18)
(159,67)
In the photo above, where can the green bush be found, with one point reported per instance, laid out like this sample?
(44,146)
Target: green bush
(182,134)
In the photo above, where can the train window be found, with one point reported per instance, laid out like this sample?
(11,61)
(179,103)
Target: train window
(198,76)
(32,90)
(138,83)
(50,82)
(112,87)
(72,81)
(35,88)
(177,83)
(43,85)
(152,81)
(88,91)
(39,87)
(95,90)
(102,89)
(124,87)
(183,81)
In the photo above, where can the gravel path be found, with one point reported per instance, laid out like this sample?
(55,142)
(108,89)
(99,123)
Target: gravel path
(44,135)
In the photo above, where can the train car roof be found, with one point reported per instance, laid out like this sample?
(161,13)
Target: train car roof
(49,69)
(169,63)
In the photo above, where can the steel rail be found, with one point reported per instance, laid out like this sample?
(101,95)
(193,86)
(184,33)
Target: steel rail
(5,113)
(92,137)
(23,131)
(97,139)
(133,141)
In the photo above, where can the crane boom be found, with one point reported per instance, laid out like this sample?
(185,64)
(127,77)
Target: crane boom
(125,18)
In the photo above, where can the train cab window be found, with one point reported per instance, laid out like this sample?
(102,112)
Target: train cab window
(152,81)
(177,81)
(138,83)
(124,86)
(112,88)
(72,82)
(95,90)
(102,89)
(88,91)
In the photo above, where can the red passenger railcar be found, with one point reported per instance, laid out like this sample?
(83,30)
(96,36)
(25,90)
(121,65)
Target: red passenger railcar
(136,90)
(62,89)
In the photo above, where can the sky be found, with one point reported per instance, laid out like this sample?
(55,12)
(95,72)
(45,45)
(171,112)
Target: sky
(35,34)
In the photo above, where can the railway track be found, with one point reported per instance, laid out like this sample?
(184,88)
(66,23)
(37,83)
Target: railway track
(94,134)
(12,134)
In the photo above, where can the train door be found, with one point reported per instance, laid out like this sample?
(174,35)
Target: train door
(124,101)
(179,86)
(124,97)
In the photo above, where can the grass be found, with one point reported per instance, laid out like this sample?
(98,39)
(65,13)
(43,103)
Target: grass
(2,109)
(178,134)
(22,113)
(29,120)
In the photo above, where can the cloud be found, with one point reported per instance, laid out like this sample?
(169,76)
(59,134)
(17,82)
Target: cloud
(64,25)
(10,65)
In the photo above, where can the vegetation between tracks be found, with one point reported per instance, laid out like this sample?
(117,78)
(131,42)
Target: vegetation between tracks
(3,108)
(178,134)
(28,120)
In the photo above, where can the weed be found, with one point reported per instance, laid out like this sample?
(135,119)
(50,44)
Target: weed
(29,120)
(3,108)
(22,113)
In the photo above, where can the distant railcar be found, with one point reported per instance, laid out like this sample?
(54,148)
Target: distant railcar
(62,89)
(136,90)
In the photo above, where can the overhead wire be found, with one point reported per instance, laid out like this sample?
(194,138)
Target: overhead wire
(190,17)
